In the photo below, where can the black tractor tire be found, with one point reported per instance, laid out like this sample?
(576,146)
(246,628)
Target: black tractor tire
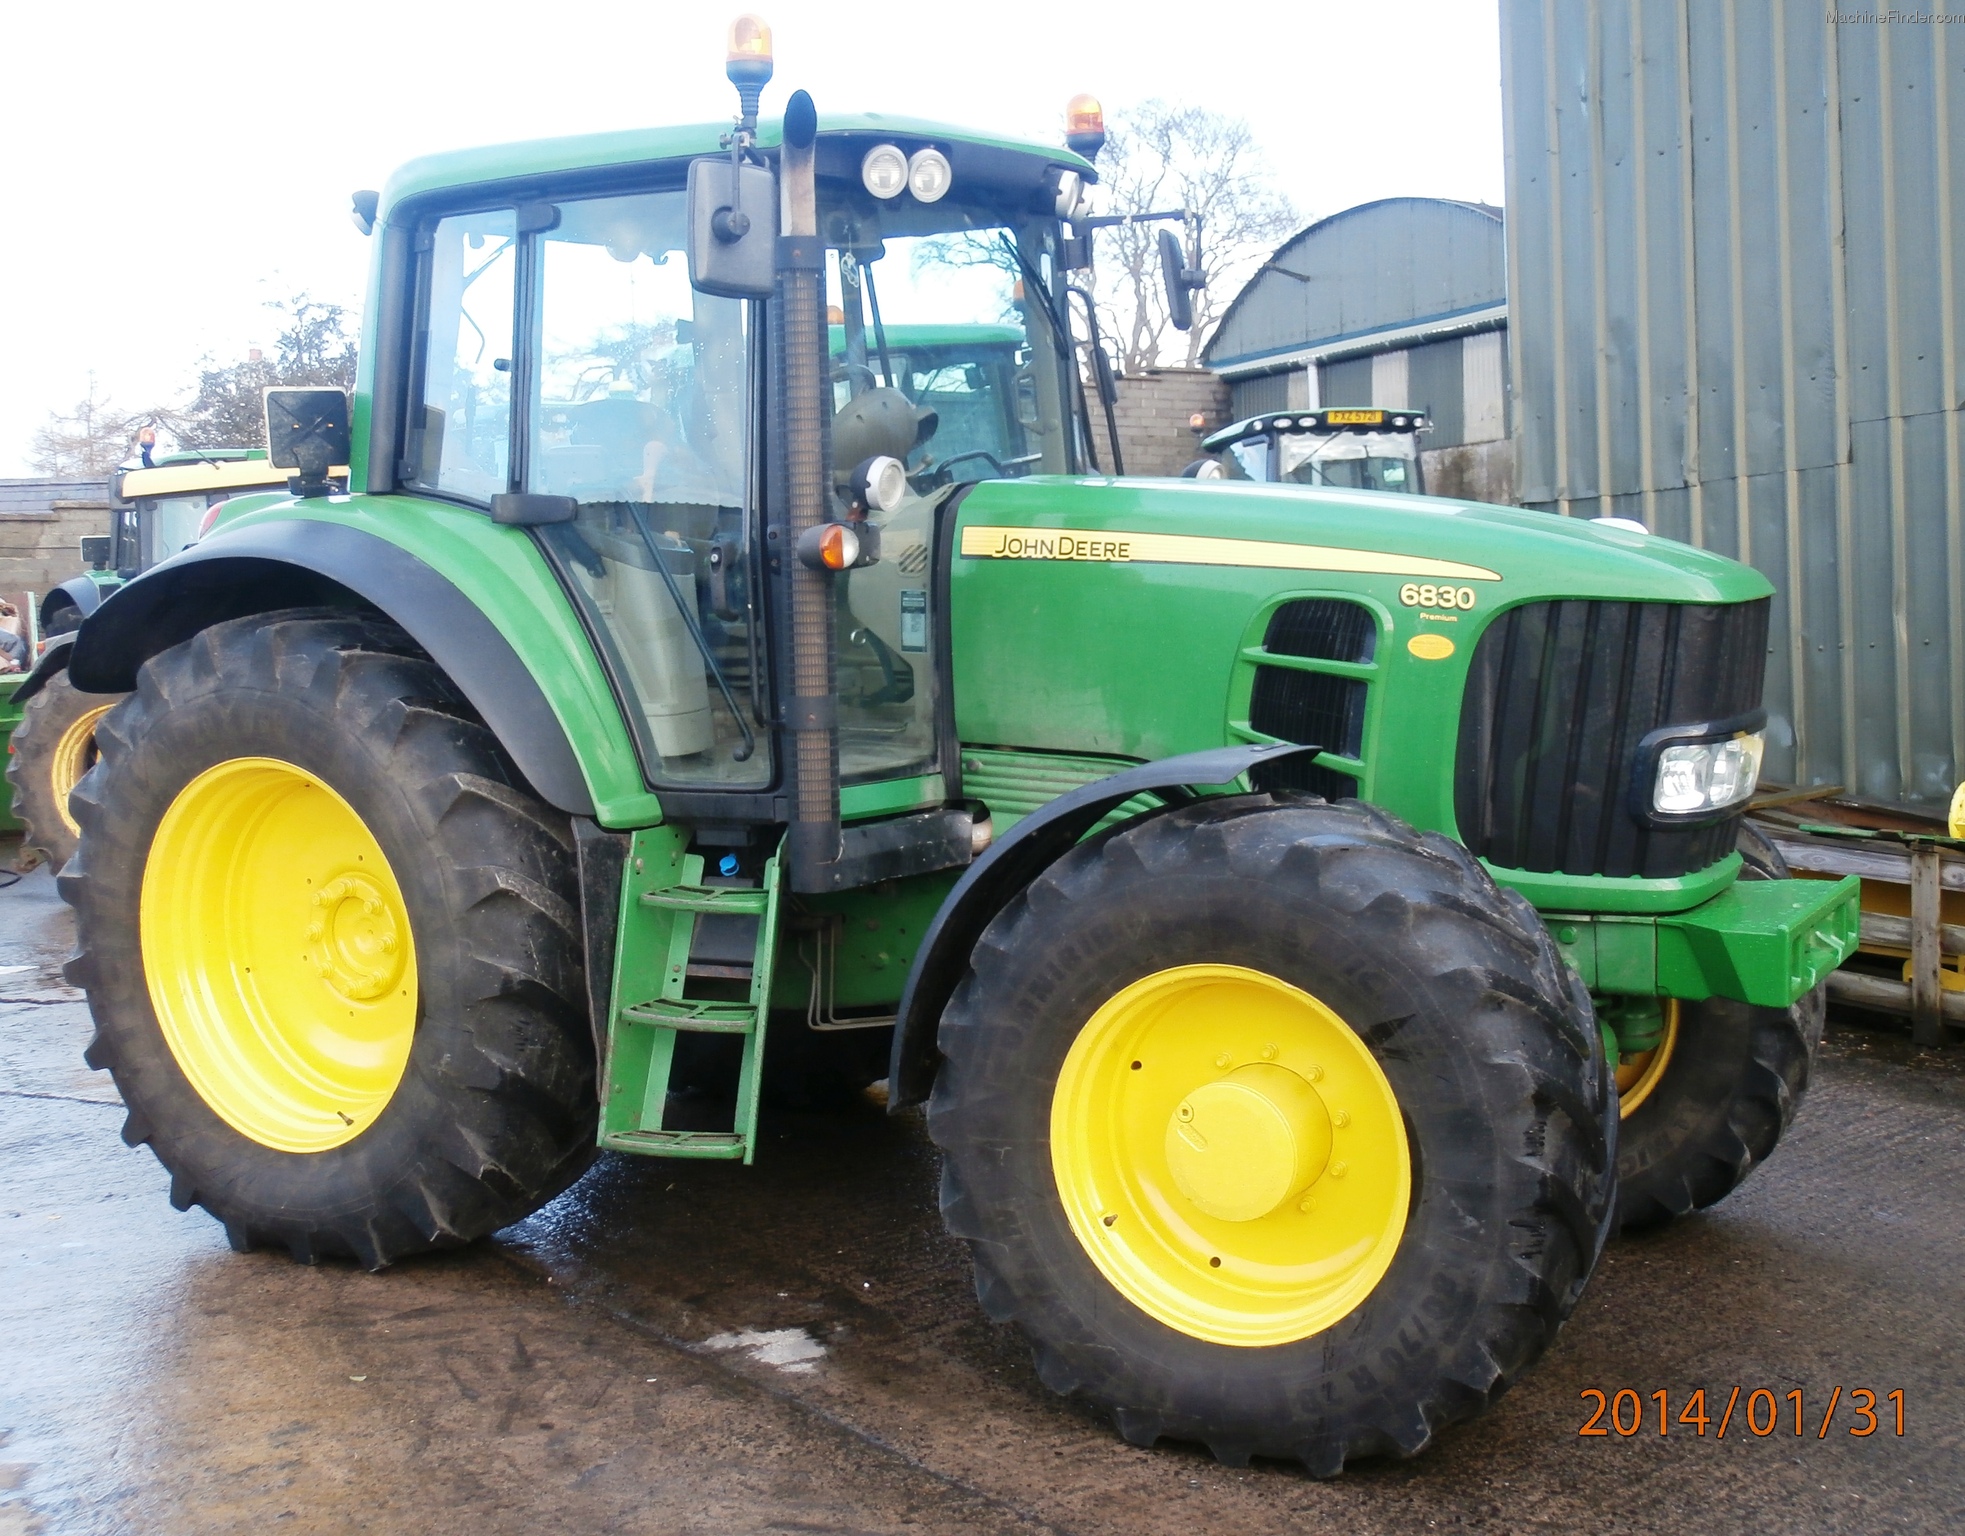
(495,1111)
(1729,1092)
(1455,987)
(52,748)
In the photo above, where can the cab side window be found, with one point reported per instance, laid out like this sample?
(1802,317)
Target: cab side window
(459,438)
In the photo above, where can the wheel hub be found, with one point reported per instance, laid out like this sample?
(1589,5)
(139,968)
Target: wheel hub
(1230,1154)
(1240,1146)
(279,954)
(355,938)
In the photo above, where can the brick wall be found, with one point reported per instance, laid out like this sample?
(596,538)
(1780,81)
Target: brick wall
(42,524)
(1153,411)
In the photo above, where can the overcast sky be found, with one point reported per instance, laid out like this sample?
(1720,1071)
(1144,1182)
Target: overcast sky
(167,170)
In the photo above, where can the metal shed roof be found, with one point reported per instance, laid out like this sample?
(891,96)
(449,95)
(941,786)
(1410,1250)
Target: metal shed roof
(1398,270)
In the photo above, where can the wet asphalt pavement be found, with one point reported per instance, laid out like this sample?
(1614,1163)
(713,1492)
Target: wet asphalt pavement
(796,1347)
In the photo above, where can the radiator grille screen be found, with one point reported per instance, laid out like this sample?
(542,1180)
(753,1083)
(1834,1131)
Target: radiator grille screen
(1323,628)
(1309,707)
(1558,697)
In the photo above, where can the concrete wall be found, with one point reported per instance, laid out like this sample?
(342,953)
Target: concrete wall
(42,523)
(1153,413)
(1472,471)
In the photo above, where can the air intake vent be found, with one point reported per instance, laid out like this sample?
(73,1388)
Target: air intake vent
(1559,696)
(1322,628)
(1309,707)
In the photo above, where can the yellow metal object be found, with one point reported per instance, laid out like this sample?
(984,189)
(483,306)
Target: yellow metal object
(1230,1155)
(1955,819)
(278,953)
(1637,1075)
(1430,647)
(74,755)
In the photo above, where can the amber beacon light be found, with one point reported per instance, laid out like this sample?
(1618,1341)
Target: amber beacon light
(1084,125)
(747,61)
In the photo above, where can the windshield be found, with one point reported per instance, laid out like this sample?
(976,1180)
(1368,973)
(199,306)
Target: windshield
(936,301)
(943,355)
(1369,461)
(172,525)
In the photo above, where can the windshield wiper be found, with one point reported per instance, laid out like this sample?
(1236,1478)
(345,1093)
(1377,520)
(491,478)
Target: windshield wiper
(689,619)
(1062,340)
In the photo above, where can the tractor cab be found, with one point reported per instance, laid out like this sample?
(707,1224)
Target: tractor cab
(1360,448)
(725,653)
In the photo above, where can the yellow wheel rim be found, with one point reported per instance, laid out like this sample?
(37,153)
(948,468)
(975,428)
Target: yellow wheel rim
(74,755)
(1230,1154)
(277,948)
(1637,1075)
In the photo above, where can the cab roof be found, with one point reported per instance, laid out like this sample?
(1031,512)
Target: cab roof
(632,146)
(1330,418)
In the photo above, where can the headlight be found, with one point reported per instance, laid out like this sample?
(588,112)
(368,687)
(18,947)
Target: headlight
(1698,777)
(929,175)
(884,171)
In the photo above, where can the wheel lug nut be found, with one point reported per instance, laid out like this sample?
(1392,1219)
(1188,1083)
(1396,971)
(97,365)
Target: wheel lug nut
(1341,1119)
(1223,1060)
(1313,1072)
(1339,1169)
(1269,1053)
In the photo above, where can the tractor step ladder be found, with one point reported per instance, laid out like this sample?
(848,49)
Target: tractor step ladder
(665,904)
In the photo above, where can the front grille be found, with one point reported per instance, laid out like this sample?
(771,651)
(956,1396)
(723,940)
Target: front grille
(1323,629)
(1314,708)
(1558,697)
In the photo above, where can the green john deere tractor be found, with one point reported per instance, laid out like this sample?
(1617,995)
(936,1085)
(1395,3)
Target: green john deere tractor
(157,509)
(1362,448)
(1276,895)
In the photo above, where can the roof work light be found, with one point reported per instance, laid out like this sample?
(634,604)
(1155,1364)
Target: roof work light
(884,171)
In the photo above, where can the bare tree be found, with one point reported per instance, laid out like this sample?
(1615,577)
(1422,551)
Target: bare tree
(1161,157)
(315,349)
(89,441)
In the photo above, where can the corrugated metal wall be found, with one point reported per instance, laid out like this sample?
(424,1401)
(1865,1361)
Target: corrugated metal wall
(1734,297)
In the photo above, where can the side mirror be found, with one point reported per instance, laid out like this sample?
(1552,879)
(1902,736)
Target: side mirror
(733,229)
(307,431)
(1180,280)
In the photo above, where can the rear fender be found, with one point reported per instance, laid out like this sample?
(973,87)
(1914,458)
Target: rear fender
(295,562)
(78,592)
(54,658)
(1024,853)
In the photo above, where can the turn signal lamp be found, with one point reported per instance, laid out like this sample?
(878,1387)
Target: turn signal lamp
(829,547)
(210,517)
(1084,125)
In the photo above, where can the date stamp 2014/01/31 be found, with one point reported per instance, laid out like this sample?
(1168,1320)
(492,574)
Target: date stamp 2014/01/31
(1763,1412)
